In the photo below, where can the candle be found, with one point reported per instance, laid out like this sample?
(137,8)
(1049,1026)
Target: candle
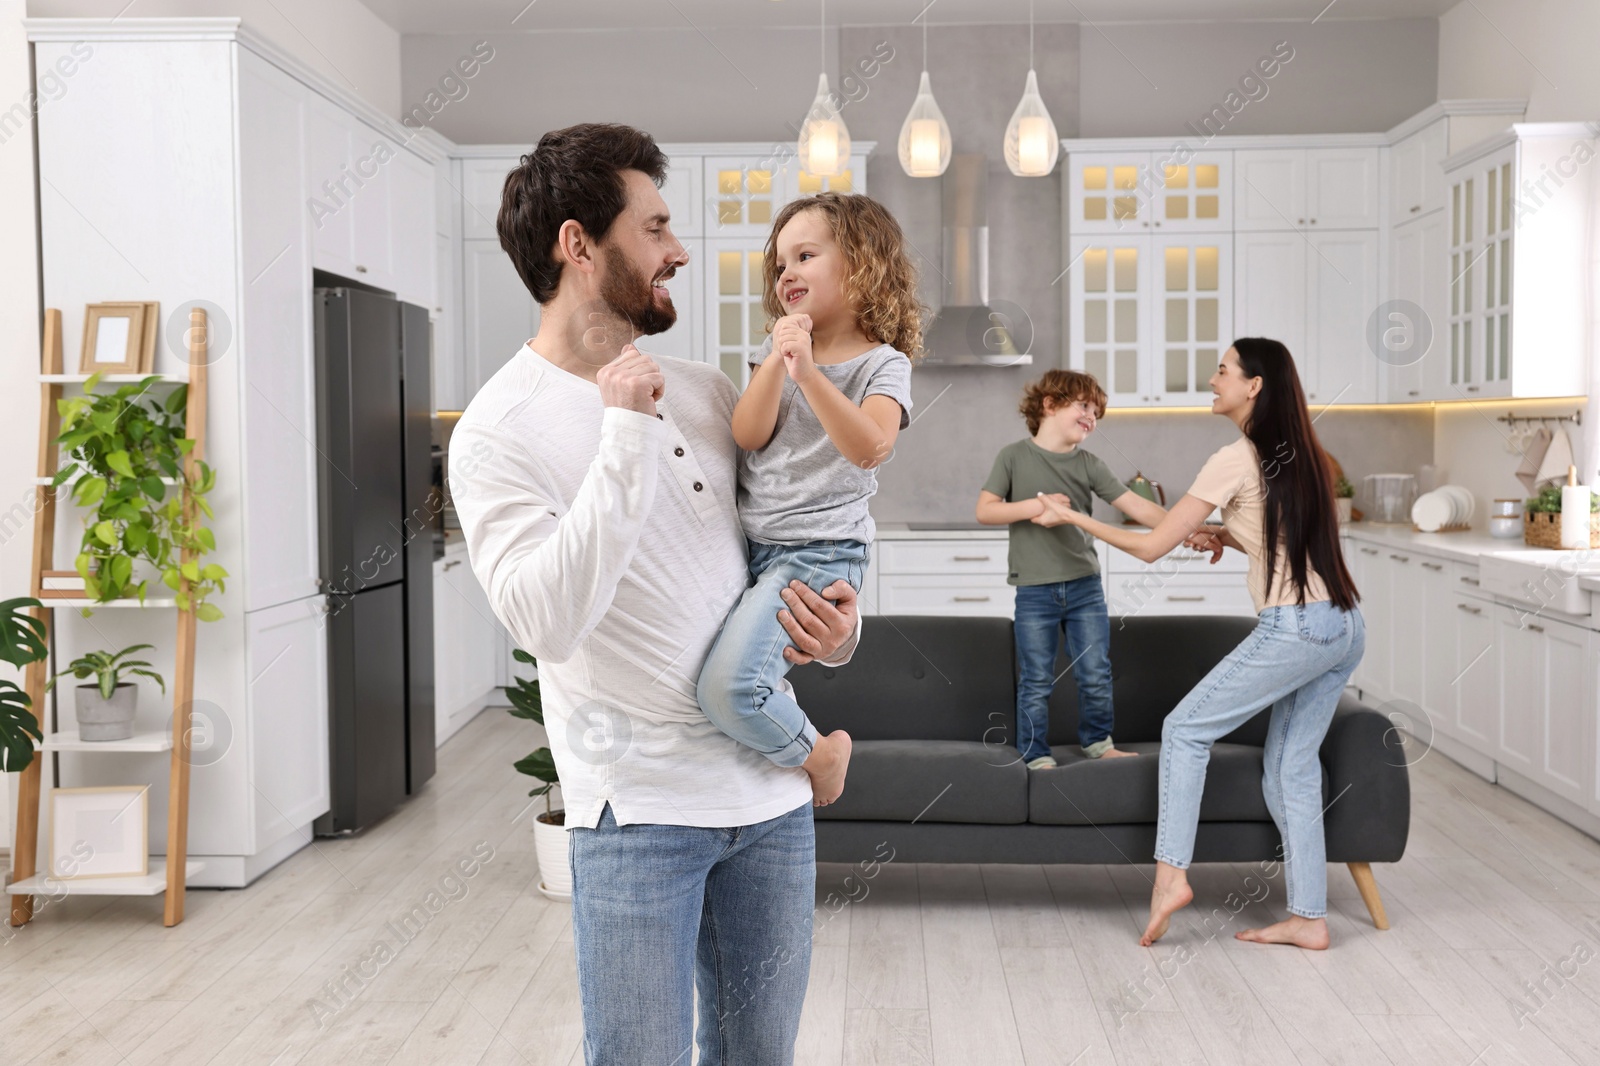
(924,147)
(1033,145)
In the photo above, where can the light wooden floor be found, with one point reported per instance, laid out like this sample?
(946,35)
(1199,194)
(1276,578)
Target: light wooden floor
(947,964)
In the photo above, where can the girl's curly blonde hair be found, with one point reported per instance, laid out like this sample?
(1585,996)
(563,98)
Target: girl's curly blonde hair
(880,282)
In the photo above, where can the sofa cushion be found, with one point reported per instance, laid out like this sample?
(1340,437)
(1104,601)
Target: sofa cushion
(1083,791)
(921,678)
(1155,661)
(940,780)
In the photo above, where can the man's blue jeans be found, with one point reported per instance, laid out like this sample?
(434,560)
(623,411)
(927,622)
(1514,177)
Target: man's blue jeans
(1044,614)
(659,911)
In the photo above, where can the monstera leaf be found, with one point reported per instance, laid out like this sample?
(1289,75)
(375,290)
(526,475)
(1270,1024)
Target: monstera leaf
(18,728)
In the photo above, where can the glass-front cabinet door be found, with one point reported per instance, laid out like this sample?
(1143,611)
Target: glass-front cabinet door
(743,195)
(1481,221)
(1192,315)
(1108,311)
(1110,192)
(1195,192)
(736,325)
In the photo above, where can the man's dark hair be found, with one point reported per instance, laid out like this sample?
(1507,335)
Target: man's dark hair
(573,173)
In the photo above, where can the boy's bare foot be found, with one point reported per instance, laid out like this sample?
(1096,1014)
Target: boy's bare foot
(1308,933)
(1170,895)
(1116,753)
(826,766)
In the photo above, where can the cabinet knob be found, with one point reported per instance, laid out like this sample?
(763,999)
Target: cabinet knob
(1400,558)
(1469,610)
(1158,222)
(1536,628)
(1433,566)
(1369,551)
(970,558)
(1413,392)
(1415,208)
(971,599)
(1472,388)
(1313,222)
(452,562)
(1300,221)
(1186,599)
(361,270)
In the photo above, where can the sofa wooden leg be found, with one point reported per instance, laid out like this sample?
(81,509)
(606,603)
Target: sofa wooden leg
(1368,885)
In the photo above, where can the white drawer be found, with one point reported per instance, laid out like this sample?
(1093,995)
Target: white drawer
(1156,594)
(1179,560)
(957,594)
(942,557)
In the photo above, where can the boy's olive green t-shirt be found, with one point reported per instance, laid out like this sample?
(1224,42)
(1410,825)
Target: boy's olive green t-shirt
(1043,555)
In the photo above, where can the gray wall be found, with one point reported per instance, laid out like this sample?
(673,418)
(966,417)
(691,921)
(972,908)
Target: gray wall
(1345,77)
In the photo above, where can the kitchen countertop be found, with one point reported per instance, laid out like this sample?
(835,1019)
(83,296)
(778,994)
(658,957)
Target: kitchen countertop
(1465,547)
(954,531)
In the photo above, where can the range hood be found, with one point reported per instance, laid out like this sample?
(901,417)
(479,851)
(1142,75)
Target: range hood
(967,331)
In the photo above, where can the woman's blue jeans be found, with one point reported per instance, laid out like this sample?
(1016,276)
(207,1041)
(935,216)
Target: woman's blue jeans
(1044,614)
(661,911)
(1296,661)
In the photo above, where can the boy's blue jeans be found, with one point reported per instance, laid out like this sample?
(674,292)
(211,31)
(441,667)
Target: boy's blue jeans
(738,687)
(1044,614)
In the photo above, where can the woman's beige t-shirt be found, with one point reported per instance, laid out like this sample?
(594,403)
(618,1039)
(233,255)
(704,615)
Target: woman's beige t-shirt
(1232,480)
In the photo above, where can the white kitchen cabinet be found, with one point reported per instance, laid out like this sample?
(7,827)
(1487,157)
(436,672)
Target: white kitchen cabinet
(498,315)
(1436,645)
(1306,188)
(1416,179)
(941,576)
(684,340)
(1543,696)
(685,200)
(1134,190)
(287,659)
(1416,368)
(466,641)
(1369,570)
(350,182)
(1153,315)
(1313,292)
(482,183)
(1520,206)
(1478,672)
(735,322)
(1404,592)
(413,229)
(446,349)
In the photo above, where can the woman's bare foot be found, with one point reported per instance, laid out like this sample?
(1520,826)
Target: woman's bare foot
(1116,753)
(1170,895)
(826,765)
(1308,933)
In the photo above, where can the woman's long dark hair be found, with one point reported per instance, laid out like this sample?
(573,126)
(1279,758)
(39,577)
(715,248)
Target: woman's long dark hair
(1296,473)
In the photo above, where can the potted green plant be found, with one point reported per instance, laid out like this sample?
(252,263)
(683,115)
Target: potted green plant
(549,828)
(106,709)
(125,452)
(21,642)
(1541,521)
(1344,495)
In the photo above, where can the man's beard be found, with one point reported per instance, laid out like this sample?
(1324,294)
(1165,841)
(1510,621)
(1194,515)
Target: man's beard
(628,294)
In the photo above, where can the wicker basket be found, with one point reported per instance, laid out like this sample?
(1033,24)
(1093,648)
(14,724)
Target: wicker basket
(1542,529)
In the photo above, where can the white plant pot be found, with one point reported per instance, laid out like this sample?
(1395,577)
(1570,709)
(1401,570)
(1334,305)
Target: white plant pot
(103,719)
(555,871)
(1344,503)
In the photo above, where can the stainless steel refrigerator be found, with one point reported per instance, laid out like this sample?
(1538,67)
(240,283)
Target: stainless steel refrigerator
(374,416)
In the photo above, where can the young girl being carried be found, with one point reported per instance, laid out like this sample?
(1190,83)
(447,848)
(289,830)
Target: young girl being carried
(826,400)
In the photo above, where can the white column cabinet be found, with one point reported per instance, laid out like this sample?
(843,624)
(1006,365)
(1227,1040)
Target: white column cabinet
(1270,287)
(1406,650)
(1269,191)
(1416,368)
(1306,188)
(1478,672)
(498,315)
(1436,647)
(1416,180)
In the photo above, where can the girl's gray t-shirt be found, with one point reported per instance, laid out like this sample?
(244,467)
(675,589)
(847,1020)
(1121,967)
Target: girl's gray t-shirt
(800,488)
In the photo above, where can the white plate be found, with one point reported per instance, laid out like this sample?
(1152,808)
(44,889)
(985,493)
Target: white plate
(1467,503)
(1431,511)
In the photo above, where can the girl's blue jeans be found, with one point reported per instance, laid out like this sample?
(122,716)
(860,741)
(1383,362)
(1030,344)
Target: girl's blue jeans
(738,689)
(1296,661)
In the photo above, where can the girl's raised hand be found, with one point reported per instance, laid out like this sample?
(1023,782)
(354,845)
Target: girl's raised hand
(791,338)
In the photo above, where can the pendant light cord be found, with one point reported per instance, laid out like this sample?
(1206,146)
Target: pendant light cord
(822,39)
(1030,34)
(925,41)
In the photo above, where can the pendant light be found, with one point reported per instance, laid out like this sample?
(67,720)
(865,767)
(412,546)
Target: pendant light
(925,135)
(1031,143)
(824,146)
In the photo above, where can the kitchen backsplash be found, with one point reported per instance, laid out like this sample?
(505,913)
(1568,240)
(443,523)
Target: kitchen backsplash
(963,416)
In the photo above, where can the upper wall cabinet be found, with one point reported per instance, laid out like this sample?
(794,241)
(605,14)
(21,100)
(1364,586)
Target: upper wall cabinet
(1124,192)
(1299,188)
(1416,181)
(1519,210)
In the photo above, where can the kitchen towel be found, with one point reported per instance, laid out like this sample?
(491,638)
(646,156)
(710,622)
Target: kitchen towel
(1556,459)
(1532,458)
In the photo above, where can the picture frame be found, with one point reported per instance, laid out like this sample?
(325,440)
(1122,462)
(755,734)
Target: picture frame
(119,337)
(99,832)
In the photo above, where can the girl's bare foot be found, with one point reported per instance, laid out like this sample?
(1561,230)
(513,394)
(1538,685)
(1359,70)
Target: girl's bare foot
(826,765)
(1170,895)
(1116,753)
(1308,933)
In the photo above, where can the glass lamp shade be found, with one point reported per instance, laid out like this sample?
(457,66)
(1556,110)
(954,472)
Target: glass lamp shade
(924,136)
(1032,146)
(824,141)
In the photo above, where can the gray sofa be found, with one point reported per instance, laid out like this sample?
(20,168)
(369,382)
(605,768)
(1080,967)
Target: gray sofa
(931,705)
